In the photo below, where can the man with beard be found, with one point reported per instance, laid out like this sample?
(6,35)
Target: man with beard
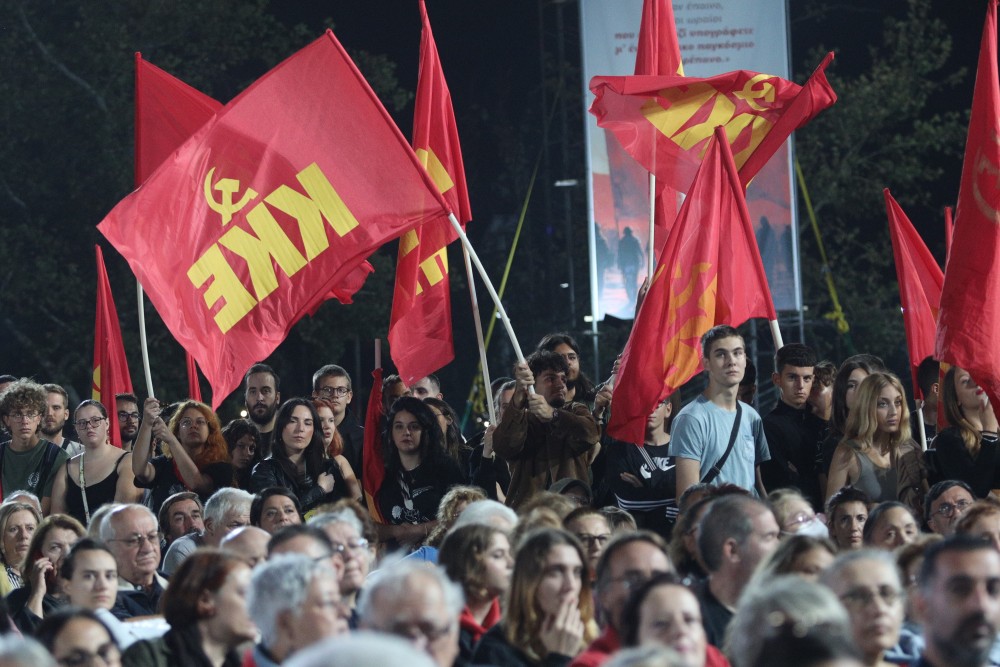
(127,406)
(262,398)
(543,437)
(55,418)
(958,602)
(578,386)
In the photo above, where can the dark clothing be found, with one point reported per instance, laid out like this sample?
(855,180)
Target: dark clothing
(269,473)
(97,494)
(137,601)
(166,481)
(653,505)
(793,437)
(954,461)
(180,646)
(494,649)
(413,496)
(25,620)
(487,473)
(715,616)
(353,435)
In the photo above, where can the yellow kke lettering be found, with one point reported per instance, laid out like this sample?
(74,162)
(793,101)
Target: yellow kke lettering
(692,313)
(227,187)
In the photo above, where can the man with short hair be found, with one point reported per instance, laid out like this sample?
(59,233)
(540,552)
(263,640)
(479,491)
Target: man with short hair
(392,388)
(793,432)
(132,534)
(262,396)
(29,462)
(958,602)
(628,561)
(227,510)
(308,540)
(129,418)
(180,515)
(416,601)
(702,431)
(928,373)
(344,530)
(736,533)
(945,504)
(56,415)
(294,601)
(333,383)
(248,543)
(579,387)
(542,437)
(427,387)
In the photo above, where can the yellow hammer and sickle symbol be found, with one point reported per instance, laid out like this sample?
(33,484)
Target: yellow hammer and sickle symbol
(228,187)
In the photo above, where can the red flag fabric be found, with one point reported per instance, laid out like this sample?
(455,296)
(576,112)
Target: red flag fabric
(658,52)
(111,374)
(666,122)
(268,206)
(374,464)
(709,273)
(949,231)
(970,299)
(920,279)
(420,335)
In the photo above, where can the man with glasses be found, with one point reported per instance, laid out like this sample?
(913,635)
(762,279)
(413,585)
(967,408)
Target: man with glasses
(945,504)
(56,415)
(132,534)
(27,462)
(344,530)
(629,560)
(127,406)
(333,383)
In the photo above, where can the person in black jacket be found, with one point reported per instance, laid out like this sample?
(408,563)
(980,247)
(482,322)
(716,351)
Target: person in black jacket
(297,461)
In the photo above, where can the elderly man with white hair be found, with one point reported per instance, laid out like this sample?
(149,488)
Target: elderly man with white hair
(488,513)
(344,530)
(227,510)
(132,533)
(416,601)
(294,601)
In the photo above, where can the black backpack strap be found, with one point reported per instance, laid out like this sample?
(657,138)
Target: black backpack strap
(714,471)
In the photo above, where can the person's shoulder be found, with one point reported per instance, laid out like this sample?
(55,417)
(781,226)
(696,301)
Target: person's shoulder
(750,412)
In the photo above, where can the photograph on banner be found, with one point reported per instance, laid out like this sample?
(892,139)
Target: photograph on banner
(714,38)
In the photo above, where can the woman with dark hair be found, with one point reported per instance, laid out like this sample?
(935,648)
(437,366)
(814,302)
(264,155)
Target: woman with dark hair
(242,441)
(274,508)
(454,443)
(78,637)
(967,450)
(206,608)
(418,472)
(548,617)
(333,445)
(890,524)
(100,474)
(297,461)
(41,593)
(195,456)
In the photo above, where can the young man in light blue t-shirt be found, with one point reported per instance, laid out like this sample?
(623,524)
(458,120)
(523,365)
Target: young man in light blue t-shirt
(700,433)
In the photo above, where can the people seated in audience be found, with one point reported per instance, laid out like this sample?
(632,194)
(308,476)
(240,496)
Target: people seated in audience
(945,504)
(846,514)
(248,543)
(890,524)
(18,522)
(274,508)
(227,510)
(131,533)
(181,514)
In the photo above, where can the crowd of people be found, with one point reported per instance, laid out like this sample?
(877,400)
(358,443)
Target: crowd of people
(840,529)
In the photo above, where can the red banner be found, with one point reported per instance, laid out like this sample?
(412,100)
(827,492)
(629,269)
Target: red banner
(420,335)
(373,473)
(665,122)
(272,203)
(658,51)
(970,298)
(709,273)
(920,279)
(111,374)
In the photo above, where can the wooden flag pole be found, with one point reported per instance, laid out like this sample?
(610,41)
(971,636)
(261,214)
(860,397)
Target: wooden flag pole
(378,353)
(489,288)
(491,409)
(143,346)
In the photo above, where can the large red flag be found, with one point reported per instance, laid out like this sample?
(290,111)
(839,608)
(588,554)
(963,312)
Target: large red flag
(658,52)
(272,203)
(920,280)
(968,333)
(666,122)
(709,273)
(420,337)
(373,473)
(111,374)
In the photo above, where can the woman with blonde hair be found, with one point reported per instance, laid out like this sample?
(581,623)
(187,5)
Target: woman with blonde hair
(452,504)
(195,456)
(877,454)
(967,450)
(548,617)
(18,522)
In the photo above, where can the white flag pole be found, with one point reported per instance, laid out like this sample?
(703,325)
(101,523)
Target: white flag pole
(143,346)
(491,409)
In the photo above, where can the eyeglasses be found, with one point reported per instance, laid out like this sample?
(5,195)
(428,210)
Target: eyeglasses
(862,597)
(93,422)
(108,653)
(187,423)
(327,392)
(948,510)
(128,416)
(23,416)
(353,545)
(138,540)
(798,519)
